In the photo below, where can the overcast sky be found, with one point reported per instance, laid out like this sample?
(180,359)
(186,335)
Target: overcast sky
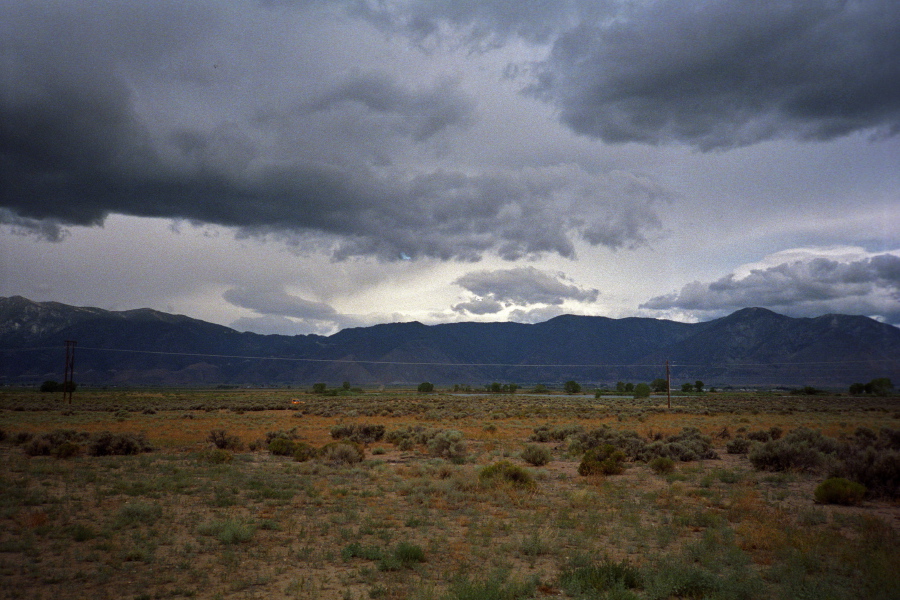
(304,166)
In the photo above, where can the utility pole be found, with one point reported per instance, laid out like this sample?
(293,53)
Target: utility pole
(68,384)
(668,384)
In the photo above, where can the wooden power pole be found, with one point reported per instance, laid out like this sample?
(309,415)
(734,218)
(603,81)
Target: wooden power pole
(668,384)
(68,383)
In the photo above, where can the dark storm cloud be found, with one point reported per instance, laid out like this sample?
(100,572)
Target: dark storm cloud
(519,286)
(278,303)
(421,113)
(722,73)
(713,74)
(869,286)
(123,108)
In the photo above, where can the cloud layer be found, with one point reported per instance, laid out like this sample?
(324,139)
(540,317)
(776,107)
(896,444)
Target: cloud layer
(494,291)
(141,110)
(868,285)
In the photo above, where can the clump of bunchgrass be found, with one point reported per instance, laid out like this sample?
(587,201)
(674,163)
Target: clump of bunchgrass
(506,473)
(837,490)
(132,514)
(216,456)
(229,531)
(587,581)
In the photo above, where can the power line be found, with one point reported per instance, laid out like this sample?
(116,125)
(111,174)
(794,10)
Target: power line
(460,364)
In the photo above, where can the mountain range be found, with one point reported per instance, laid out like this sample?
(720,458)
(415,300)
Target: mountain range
(751,347)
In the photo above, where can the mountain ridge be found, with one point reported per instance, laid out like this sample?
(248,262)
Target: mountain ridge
(750,347)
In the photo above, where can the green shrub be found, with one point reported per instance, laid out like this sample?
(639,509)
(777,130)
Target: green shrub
(304,452)
(281,447)
(662,465)
(344,452)
(535,455)
(838,490)
(738,445)
(605,460)
(505,472)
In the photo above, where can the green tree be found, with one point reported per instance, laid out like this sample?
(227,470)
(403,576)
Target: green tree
(51,386)
(512,388)
(620,386)
(571,387)
(659,385)
(319,388)
(687,387)
(540,389)
(642,390)
(698,386)
(629,387)
(495,388)
(881,386)
(426,387)
(346,385)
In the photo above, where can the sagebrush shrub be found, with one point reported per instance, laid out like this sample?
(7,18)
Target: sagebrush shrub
(605,460)
(535,455)
(358,432)
(801,450)
(118,444)
(838,490)
(343,452)
(281,447)
(738,445)
(304,452)
(67,450)
(221,440)
(448,444)
(662,465)
(544,433)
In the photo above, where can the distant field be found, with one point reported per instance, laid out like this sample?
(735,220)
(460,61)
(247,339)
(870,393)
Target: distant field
(422,515)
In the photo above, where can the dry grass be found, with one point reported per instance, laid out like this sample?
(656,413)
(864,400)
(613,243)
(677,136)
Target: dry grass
(169,524)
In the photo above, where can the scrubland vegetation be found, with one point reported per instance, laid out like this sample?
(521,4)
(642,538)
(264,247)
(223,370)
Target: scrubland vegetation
(282,494)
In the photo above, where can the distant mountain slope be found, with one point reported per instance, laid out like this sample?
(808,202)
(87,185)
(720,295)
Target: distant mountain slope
(753,346)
